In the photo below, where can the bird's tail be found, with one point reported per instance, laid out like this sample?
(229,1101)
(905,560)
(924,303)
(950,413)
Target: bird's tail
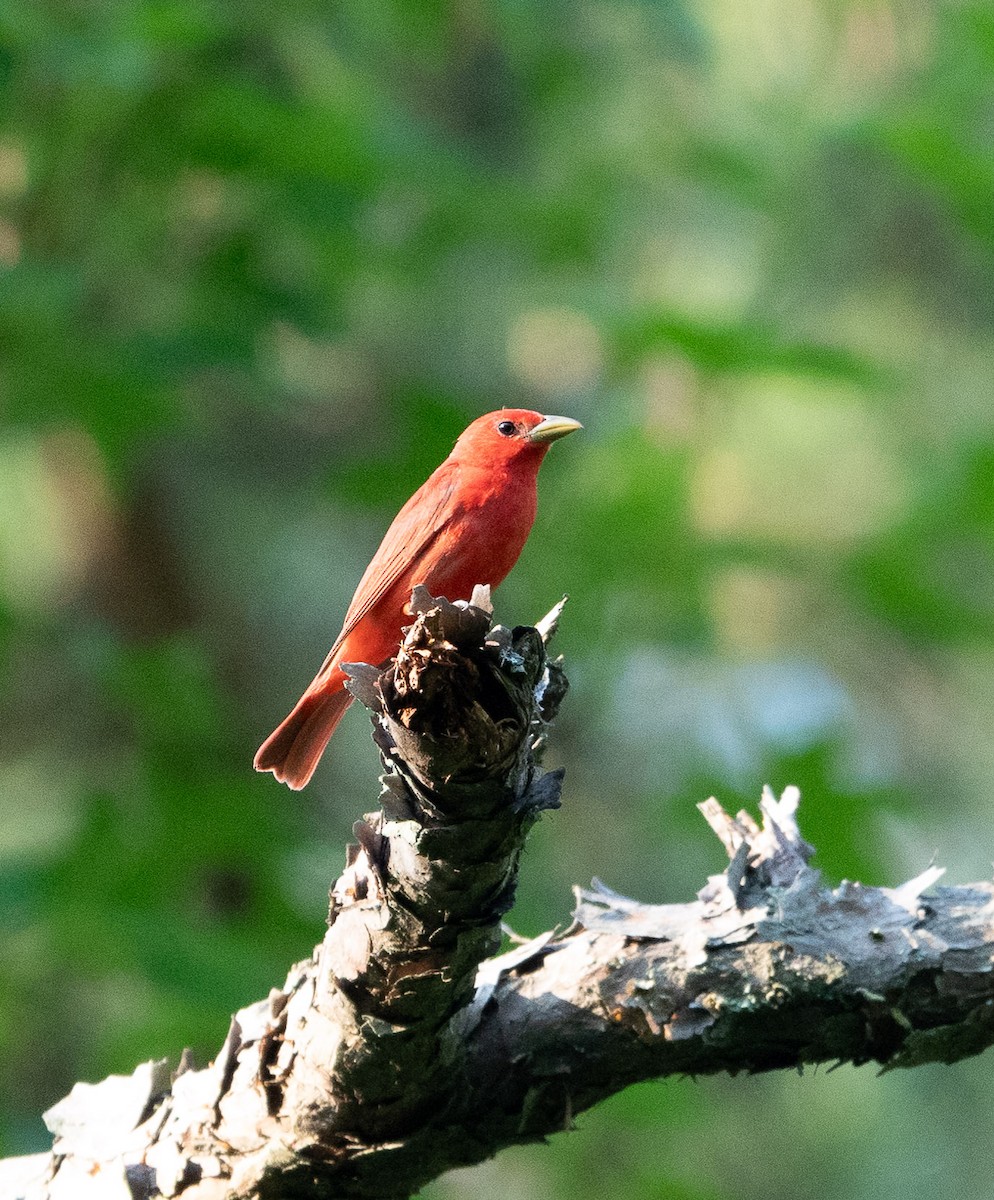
(293,750)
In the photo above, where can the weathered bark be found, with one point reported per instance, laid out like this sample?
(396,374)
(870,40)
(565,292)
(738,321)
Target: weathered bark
(400,1049)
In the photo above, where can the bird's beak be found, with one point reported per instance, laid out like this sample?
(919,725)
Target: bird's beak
(549,429)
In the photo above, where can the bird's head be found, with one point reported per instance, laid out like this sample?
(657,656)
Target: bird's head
(511,434)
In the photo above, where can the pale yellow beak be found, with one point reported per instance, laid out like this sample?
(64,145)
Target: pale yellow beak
(550,429)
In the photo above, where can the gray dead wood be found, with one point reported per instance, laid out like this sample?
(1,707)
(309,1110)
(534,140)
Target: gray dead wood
(402,1048)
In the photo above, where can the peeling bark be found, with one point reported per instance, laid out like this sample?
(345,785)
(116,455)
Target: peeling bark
(401,1048)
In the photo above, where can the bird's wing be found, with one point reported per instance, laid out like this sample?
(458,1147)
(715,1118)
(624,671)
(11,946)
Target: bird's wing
(404,547)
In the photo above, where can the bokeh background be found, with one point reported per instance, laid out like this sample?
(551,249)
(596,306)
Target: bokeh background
(260,264)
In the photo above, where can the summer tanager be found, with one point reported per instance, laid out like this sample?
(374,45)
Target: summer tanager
(466,525)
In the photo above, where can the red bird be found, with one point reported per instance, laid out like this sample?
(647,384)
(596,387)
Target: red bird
(466,525)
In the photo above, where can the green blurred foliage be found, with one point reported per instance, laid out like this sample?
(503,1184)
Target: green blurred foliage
(260,265)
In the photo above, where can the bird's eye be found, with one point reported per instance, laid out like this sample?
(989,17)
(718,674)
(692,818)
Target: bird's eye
(506,428)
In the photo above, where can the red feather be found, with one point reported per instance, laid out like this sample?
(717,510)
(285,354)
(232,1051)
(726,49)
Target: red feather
(466,525)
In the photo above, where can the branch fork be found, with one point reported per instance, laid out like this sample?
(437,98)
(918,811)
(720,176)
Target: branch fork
(402,1047)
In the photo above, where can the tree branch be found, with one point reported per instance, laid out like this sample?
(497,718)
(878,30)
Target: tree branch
(400,1050)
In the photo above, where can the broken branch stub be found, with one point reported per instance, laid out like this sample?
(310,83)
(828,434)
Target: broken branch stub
(456,714)
(456,704)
